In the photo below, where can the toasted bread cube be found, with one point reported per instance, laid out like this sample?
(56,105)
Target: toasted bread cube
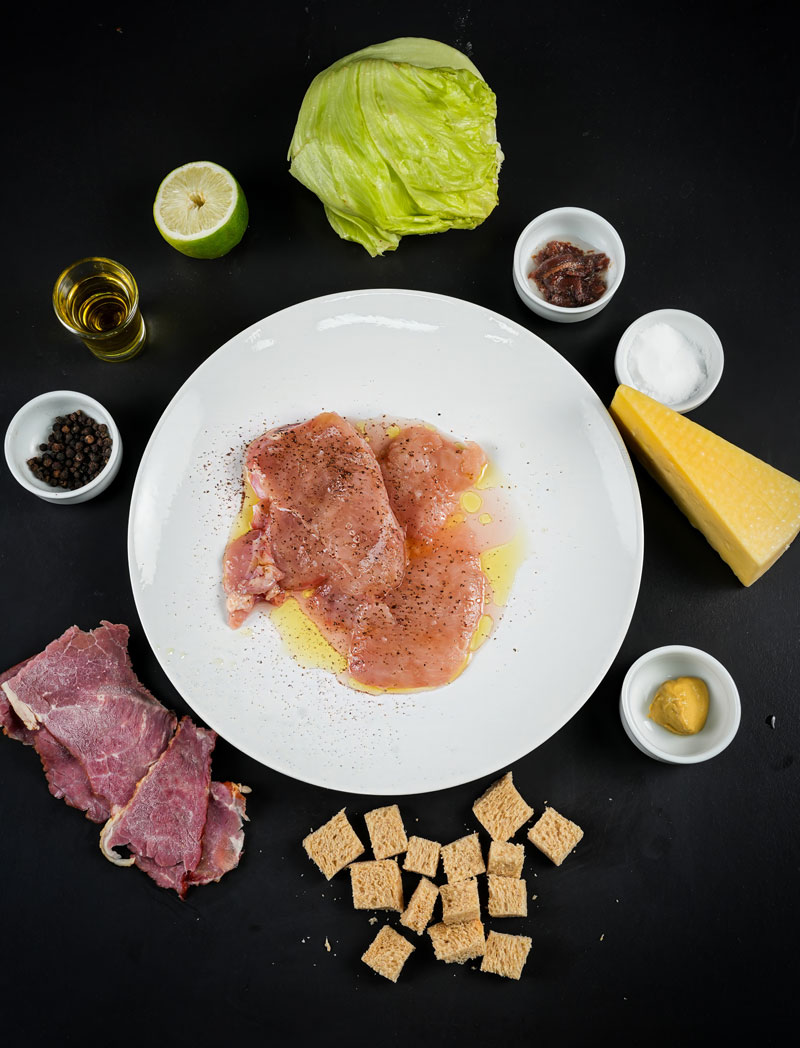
(505,860)
(460,902)
(422,856)
(554,835)
(501,810)
(463,858)
(388,953)
(457,943)
(417,915)
(386,832)
(377,885)
(507,896)
(505,954)
(334,845)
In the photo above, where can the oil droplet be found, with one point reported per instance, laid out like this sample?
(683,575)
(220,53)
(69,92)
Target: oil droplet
(393,431)
(303,640)
(500,566)
(361,426)
(483,630)
(471,501)
(485,518)
(491,477)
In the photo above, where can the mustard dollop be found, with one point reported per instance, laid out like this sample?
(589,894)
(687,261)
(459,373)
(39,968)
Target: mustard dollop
(681,705)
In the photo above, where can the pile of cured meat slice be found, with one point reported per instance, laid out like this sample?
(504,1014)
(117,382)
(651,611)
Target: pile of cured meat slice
(111,750)
(361,529)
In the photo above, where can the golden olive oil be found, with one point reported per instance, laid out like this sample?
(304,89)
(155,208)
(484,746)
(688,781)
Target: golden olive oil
(98,300)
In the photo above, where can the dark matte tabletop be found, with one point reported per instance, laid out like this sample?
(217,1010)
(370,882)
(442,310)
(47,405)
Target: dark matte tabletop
(674,919)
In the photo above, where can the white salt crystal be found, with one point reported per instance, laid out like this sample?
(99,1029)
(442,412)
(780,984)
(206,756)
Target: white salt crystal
(666,365)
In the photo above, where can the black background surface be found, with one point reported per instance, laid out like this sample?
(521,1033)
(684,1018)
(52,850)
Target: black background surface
(676,917)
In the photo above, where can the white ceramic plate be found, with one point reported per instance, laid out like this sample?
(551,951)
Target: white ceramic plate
(475,375)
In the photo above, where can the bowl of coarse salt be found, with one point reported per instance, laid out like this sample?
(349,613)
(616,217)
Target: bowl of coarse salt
(673,356)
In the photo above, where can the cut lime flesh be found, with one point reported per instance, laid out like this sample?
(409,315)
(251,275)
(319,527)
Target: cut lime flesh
(200,210)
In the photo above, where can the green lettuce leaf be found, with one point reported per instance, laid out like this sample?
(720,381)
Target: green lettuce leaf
(393,147)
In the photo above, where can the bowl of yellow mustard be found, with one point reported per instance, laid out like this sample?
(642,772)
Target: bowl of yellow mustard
(679,705)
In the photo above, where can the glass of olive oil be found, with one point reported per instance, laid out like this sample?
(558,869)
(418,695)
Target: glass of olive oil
(97,299)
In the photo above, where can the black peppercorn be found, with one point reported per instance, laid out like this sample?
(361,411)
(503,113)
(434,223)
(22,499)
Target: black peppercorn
(63,463)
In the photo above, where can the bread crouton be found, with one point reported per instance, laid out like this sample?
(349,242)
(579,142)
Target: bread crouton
(463,858)
(417,915)
(388,953)
(505,954)
(507,896)
(386,832)
(334,845)
(422,856)
(554,835)
(505,859)
(457,943)
(460,902)
(501,810)
(377,885)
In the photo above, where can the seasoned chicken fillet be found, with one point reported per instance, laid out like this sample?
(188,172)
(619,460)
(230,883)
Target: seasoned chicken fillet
(324,517)
(370,547)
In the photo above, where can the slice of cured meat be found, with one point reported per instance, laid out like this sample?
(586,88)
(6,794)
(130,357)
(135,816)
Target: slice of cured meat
(178,815)
(163,822)
(324,517)
(10,723)
(83,691)
(65,777)
(223,837)
(425,475)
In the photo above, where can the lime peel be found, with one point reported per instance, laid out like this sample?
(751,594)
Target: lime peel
(201,210)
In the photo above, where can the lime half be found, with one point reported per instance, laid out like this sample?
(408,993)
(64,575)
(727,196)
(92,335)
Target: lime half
(200,210)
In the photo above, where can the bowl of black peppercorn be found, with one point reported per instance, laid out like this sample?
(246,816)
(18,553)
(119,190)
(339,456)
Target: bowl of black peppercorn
(64,447)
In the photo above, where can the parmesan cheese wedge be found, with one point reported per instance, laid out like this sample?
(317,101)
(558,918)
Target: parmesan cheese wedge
(748,511)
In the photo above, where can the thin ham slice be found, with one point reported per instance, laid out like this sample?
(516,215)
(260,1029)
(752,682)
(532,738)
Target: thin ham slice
(83,691)
(66,778)
(223,837)
(184,830)
(10,723)
(163,822)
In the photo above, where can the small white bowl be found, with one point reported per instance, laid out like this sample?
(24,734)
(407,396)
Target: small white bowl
(31,426)
(585,230)
(697,331)
(642,681)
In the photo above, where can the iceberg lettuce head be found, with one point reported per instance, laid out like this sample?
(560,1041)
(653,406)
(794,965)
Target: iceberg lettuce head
(399,138)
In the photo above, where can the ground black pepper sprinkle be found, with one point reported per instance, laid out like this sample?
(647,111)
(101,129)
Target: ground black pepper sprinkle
(77,449)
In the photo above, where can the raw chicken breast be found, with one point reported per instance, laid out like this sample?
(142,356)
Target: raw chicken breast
(425,475)
(370,547)
(324,517)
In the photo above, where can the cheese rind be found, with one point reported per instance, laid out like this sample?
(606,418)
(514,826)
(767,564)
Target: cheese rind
(748,510)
